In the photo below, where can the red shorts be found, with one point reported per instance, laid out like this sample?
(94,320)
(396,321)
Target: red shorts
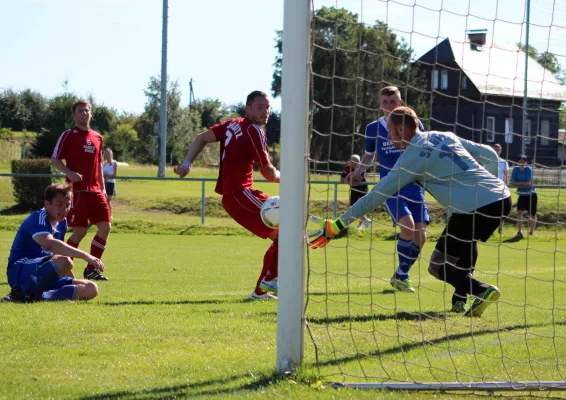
(88,207)
(245,207)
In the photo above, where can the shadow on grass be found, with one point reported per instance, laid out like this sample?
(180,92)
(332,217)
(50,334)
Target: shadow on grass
(400,316)
(405,347)
(209,387)
(14,210)
(171,302)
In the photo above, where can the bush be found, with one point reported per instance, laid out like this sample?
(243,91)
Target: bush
(28,192)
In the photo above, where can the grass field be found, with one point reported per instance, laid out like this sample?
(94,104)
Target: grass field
(174,322)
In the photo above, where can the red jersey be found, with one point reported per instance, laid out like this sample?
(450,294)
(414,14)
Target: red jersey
(82,152)
(241,143)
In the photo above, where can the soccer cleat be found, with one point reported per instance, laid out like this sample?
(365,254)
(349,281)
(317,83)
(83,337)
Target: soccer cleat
(484,299)
(265,296)
(328,230)
(519,236)
(8,298)
(402,285)
(269,286)
(17,296)
(94,275)
(459,307)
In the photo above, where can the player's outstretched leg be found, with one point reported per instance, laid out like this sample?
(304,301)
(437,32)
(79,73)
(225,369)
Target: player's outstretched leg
(97,248)
(459,302)
(267,281)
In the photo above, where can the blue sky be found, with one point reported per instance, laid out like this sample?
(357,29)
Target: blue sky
(110,48)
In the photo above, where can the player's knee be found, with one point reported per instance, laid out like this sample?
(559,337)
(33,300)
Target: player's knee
(88,290)
(436,266)
(104,229)
(64,264)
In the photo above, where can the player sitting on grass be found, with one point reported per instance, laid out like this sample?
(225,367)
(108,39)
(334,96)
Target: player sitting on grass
(40,266)
(447,167)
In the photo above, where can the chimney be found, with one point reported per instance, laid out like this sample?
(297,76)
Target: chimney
(476,37)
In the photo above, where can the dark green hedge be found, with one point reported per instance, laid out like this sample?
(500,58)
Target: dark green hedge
(28,192)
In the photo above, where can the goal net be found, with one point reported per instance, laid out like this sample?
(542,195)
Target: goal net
(462,66)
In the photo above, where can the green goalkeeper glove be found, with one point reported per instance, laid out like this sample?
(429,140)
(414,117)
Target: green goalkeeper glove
(328,230)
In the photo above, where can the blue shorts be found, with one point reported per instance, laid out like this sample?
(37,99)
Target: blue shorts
(35,276)
(398,207)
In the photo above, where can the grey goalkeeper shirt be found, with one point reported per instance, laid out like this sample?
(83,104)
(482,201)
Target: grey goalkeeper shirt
(446,166)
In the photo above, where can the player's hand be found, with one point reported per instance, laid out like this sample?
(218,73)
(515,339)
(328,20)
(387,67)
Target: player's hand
(96,262)
(183,169)
(328,230)
(353,177)
(74,177)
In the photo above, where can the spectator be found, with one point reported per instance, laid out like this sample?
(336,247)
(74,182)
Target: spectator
(358,188)
(110,171)
(522,178)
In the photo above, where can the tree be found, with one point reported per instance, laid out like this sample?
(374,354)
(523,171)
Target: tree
(212,111)
(36,106)
(123,141)
(58,118)
(13,113)
(352,62)
(103,118)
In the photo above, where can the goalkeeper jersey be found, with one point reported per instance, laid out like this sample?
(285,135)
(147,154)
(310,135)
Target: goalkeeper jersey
(446,166)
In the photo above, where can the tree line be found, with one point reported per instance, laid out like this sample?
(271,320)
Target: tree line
(132,137)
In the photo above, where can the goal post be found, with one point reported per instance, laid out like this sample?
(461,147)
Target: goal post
(294,154)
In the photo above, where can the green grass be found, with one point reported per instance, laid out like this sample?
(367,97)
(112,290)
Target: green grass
(173,322)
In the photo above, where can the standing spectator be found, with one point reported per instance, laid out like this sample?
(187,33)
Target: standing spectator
(522,177)
(358,188)
(110,170)
(503,174)
(81,148)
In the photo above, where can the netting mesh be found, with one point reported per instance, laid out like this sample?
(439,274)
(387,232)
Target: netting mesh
(461,66)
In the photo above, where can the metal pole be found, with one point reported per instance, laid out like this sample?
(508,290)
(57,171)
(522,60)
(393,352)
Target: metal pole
(202,203)
(525,95)
(335,201)
(163,103)
(294,130)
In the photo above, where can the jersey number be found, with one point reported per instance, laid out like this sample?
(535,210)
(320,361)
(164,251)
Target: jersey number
(448,152)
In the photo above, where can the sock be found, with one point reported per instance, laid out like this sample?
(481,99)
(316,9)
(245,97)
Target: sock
(408,253)
(68,292)
(72,244)
(270,267)
(96,248)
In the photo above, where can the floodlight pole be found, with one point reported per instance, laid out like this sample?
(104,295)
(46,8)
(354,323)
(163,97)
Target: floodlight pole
(294,156)
(163,102)
(525,94)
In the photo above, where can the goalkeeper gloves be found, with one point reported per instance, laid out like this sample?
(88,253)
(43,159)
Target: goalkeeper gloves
(328,230)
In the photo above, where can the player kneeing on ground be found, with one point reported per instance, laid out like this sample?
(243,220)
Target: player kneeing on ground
(40,263)
(243,142)
(447,167)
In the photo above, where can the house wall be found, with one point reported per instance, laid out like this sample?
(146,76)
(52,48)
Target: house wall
(465,112)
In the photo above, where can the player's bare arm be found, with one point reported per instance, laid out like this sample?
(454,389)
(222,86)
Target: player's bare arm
(270,173)
(101,177)
(365,163)
(49,243)
(72,175)
(195,148)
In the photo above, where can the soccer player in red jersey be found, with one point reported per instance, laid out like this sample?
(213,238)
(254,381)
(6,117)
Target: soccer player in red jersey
(243,142)
(81,148)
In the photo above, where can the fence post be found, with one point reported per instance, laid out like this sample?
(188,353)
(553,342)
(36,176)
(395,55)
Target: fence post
(202,202)
(335,200)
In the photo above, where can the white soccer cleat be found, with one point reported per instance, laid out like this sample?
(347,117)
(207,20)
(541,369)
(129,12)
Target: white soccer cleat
(265,296)
(269,286)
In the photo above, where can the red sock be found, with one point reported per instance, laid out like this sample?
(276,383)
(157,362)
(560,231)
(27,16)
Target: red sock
(72,244)
(270,265)
(96,248)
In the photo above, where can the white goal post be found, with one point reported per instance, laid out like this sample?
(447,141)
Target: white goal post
(294,155)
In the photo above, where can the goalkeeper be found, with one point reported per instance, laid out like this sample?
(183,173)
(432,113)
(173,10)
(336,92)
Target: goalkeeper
(447,167)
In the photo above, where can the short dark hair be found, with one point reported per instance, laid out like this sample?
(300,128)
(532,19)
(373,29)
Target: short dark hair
(404,116)
(66,189)
(251,97)
(390,91)
(79,102)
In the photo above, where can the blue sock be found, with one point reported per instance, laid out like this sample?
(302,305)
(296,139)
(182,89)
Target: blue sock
(68,292)
(408,253)
(404,252)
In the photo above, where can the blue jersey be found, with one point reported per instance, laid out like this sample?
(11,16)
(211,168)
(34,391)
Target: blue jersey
(524,175)
(25,247)
(387,155)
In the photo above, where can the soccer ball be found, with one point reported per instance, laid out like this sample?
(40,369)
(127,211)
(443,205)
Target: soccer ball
(270,212)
